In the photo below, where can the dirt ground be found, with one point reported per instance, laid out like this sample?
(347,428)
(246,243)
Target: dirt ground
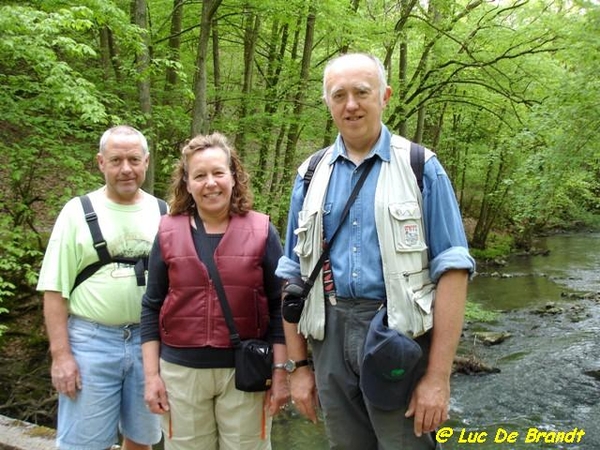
(26,391)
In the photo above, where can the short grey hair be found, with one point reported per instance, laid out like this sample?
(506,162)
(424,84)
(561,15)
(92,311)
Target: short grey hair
(381,74)
(127,131)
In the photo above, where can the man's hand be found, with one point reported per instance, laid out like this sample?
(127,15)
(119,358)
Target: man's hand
(431,398)
(304,392)
(429,403)
(66,378)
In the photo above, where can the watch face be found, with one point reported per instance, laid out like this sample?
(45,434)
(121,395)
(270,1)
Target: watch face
(289,366)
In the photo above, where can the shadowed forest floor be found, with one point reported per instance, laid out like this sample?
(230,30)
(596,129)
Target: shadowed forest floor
(26,391)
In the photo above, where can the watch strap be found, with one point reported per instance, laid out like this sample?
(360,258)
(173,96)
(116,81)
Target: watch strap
(301,363)
(292,365)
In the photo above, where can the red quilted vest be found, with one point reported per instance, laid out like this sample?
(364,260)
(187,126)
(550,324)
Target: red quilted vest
(191,314)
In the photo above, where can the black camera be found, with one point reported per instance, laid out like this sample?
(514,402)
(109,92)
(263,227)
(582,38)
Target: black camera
(293,300)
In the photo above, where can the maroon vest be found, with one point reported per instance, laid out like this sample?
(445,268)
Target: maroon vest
(191,314)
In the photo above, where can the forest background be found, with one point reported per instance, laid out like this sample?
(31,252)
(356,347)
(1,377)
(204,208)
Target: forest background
(506,92)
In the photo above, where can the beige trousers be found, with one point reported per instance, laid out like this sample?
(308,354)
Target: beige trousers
(207,412)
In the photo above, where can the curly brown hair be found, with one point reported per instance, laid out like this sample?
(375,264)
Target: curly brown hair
(182,202)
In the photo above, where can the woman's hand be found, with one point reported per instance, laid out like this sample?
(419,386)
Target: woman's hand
(155,395)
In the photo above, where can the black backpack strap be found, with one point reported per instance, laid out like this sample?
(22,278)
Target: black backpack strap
(312,165)
(87,272)
(140,265)
(92,220)
(417,162)
(162,206)
(139,269)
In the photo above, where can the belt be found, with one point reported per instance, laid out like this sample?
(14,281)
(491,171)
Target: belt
(126,327)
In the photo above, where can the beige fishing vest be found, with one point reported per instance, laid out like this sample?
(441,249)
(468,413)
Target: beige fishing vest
(399,223)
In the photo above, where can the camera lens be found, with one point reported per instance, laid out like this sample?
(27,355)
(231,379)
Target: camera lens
(292,308)
(293,300)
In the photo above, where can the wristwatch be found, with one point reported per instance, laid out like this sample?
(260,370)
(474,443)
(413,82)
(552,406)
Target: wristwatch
(290,365)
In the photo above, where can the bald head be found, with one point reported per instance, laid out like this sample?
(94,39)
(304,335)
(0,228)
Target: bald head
(352,60)
(356,93)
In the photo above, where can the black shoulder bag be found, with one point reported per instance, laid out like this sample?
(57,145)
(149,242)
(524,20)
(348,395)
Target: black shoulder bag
(253,357)
(296,290)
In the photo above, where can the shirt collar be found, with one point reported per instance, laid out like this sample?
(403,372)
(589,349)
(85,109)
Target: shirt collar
(381,147)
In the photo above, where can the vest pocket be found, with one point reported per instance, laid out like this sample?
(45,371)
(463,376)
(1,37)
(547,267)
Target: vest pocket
(410,307)
(423,309)
(306,224)
(406,226)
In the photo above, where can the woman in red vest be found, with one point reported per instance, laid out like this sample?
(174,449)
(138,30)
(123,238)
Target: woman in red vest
(186,344)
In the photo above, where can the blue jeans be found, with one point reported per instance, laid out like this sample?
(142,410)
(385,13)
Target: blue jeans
(351,422)
(112,394)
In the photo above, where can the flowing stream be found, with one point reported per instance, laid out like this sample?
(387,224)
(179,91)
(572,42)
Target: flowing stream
(546,392)
(546,389)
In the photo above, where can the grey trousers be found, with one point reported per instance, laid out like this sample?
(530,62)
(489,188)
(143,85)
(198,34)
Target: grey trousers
(351,422)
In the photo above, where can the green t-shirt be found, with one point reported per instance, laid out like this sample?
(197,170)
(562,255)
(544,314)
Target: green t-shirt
(111,296)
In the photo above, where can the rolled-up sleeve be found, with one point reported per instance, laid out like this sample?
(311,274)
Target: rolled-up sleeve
(446,238)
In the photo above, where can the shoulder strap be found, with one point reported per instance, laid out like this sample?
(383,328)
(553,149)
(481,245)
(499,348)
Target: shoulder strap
(216,279)
(312,165)
(308,284)
(92,220)
(140,265)
(162,206)
(417,162)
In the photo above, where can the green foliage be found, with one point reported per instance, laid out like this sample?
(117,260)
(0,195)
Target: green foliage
(48,107)
(506,92)
(499,246)
(18,265)
(557,182)
(35,51)
(474,312)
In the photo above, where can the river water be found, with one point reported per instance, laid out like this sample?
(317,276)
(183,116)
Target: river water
(549,370)
(545,382)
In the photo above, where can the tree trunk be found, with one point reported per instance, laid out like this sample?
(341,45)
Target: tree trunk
(110,54)
(435,17)
(298,101)
(400,110)
(143,71)
(403,81)
(495,192)
(105,53)
(200,123)
(250,37)
(216,70)
(171,76)
(276,52)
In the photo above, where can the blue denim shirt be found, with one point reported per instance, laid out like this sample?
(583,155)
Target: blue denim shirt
(355,255)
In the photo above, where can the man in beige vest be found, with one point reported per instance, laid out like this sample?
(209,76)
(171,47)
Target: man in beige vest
(397,247)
